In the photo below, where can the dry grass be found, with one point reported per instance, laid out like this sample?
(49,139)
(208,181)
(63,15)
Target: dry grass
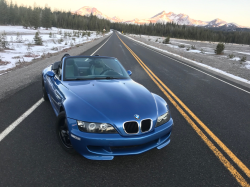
(31,55)
(2,63)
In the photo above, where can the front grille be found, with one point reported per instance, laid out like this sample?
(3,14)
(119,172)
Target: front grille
(146,125)
(131,127)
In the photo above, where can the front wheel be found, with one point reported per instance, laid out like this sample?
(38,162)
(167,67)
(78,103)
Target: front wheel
(63,133)
(45,95)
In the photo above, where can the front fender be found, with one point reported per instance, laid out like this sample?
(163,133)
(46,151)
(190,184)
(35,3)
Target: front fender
(162,106)
(78,109)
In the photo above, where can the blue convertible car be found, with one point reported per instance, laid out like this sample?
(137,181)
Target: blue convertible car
(101,112)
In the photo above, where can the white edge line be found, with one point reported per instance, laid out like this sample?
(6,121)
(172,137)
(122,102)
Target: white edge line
(12,126)
(101,46)
(19,120)
(211,68)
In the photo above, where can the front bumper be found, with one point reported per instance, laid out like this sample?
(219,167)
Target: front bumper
(105,146)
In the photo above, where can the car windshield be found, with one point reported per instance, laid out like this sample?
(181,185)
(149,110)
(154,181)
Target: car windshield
(83,68)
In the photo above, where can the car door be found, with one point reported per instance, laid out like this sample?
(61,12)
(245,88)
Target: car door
(55,95)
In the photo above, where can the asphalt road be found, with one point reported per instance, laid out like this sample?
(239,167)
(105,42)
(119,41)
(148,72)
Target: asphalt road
(31,156)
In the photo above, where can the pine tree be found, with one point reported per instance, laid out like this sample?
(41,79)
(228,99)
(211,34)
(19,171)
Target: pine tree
(46,18)
(35,19)
(38,39)
(4,12)
(166,41)
(219,49)
(25,21)
(3,41)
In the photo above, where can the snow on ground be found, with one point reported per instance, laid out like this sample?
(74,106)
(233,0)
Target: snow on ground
(247,64)
(235,59)
(204,55)
(207,47)
(173,46)
(242,53)
(22,47)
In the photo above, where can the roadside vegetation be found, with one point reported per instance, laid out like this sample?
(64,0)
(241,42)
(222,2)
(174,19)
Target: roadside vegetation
(166,41)
(38,40)
(219,49)
(243,59)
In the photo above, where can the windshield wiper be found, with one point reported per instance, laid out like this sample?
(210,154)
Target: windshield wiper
(95,78)
(109,78)
(75,79)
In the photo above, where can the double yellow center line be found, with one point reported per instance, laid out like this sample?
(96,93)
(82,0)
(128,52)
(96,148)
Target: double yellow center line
(221,157)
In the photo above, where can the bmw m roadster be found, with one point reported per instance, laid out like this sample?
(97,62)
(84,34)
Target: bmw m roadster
(101,112)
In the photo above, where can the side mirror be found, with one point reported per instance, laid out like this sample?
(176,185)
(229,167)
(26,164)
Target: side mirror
(50,74)
(129,72)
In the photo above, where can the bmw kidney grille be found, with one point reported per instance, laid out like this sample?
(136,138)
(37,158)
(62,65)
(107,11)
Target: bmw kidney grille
(146,125)
(132,127)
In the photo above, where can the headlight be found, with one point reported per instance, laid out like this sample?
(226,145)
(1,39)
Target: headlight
(163,119)
(96,127)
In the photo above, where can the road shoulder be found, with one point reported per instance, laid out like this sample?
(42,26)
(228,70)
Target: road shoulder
(195,65)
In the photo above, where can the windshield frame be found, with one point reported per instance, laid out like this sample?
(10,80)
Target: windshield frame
(93,57)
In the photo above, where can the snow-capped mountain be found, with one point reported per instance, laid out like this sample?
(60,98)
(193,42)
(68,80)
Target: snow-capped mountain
(116,19)
(162,17)
(87,10)
(181,19)
(216,23)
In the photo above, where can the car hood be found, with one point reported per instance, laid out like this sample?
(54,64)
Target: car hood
(114,101)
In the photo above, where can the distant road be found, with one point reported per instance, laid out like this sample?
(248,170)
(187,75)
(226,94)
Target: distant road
(209,143)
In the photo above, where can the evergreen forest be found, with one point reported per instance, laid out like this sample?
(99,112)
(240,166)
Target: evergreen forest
(173,30)
(35,17)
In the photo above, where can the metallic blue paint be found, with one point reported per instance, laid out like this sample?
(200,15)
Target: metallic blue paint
(129,72)
(50,73)
(112,101)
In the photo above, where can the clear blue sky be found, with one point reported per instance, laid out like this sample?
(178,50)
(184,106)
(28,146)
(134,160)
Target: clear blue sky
(237,11)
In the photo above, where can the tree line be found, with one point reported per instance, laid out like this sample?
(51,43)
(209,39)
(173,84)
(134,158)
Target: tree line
(35,17)
(183,32)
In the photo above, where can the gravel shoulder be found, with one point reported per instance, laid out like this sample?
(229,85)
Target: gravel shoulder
(20,77)
(221,62)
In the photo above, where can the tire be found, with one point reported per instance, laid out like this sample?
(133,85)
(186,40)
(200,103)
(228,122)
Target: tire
(45,95)
(63,133)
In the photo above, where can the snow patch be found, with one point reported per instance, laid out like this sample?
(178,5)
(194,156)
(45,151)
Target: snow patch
(247,64)
(243,53)
(235,59)
(25,50)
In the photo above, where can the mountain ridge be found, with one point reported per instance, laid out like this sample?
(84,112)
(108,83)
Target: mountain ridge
(161,17)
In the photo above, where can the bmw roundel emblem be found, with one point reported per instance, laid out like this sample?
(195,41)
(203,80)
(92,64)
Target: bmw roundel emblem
(137,116)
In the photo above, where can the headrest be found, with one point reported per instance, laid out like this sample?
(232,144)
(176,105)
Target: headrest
(64,56)
(70,62)
(97,63)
